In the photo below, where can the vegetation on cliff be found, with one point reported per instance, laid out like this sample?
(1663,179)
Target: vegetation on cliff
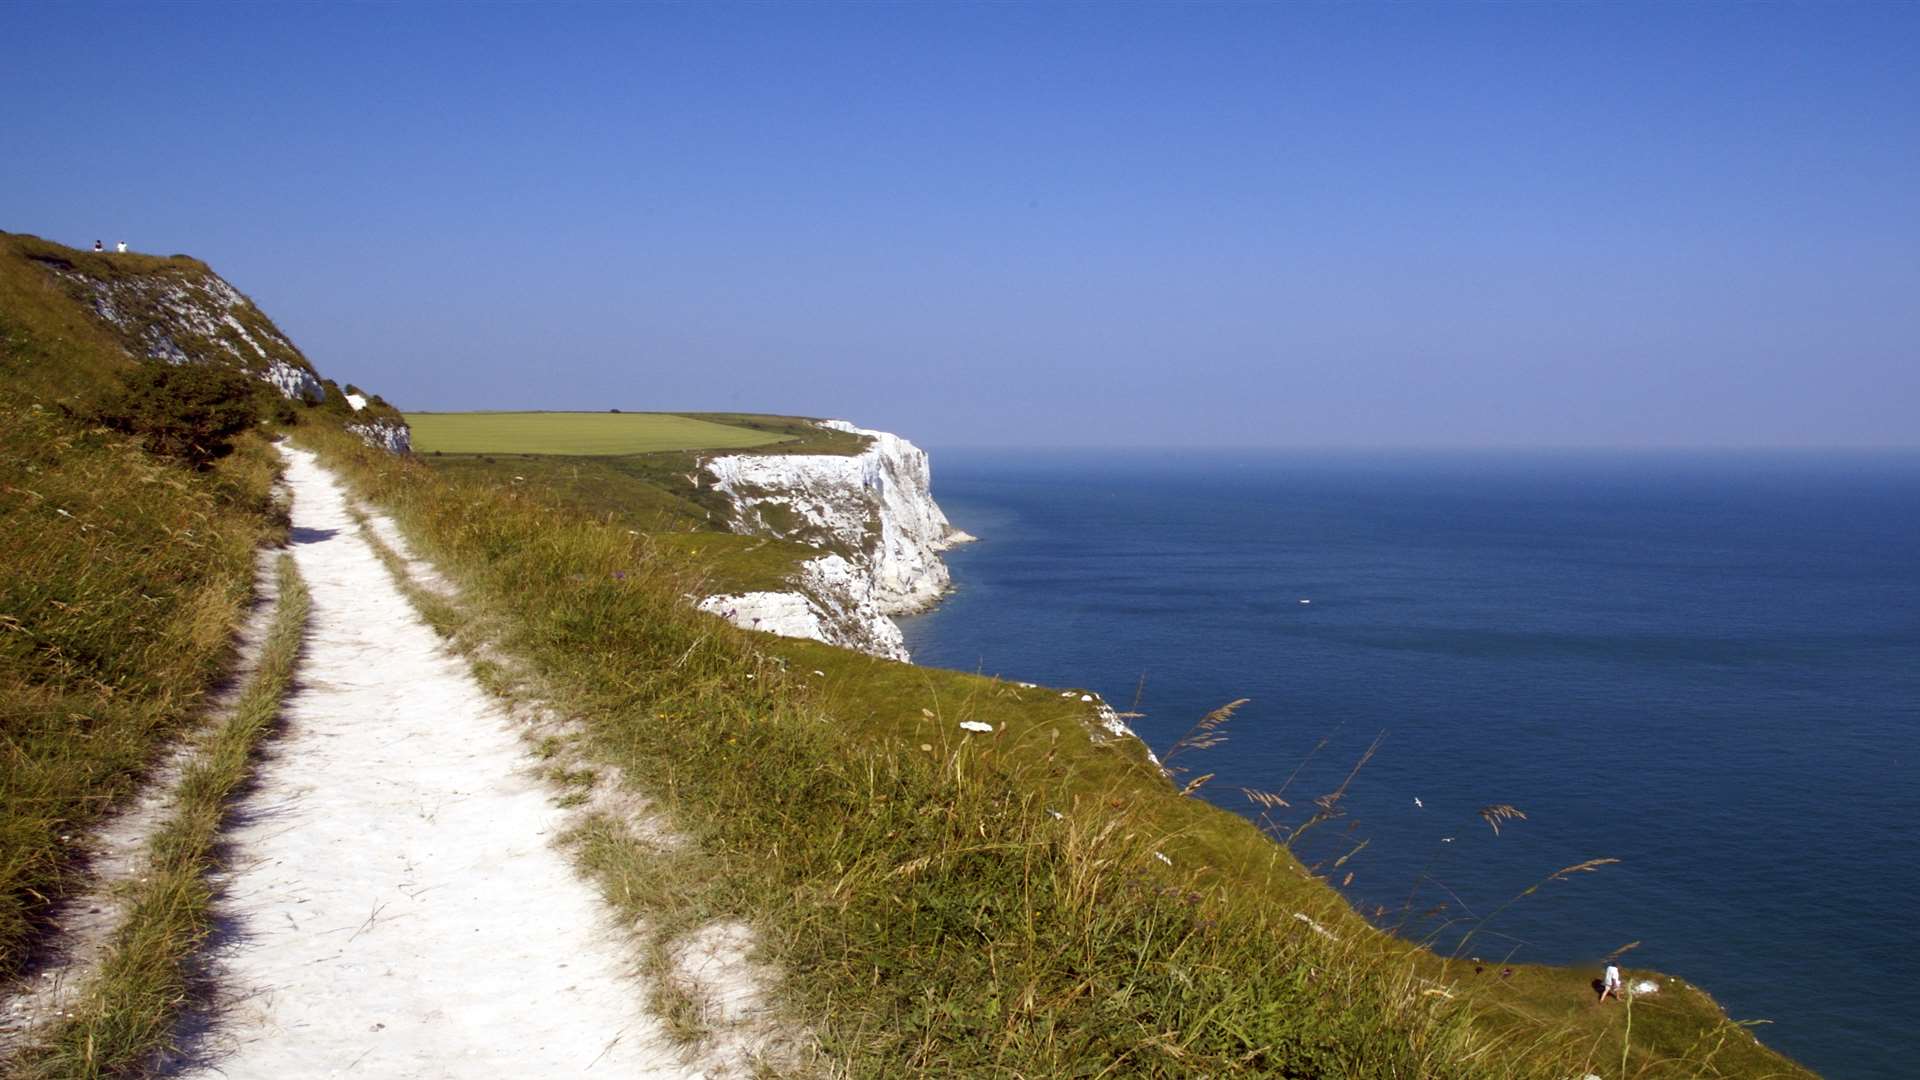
(1029,899)
(126,576)
(1035,899)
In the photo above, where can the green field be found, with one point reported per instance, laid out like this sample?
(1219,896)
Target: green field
(576,433)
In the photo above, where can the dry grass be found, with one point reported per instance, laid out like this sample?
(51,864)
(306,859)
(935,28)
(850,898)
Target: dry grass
(1033,901)
(126,577)
(127,1014)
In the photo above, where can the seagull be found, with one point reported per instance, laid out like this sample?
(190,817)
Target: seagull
(1418,803)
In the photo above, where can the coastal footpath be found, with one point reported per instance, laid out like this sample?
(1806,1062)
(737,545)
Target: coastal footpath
(923,872)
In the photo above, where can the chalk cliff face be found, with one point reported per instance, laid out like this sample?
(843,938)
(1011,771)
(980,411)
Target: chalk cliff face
(187,318)
(874,517)
(180,312)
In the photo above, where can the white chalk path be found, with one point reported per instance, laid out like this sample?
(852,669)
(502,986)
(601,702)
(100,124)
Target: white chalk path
(395,904)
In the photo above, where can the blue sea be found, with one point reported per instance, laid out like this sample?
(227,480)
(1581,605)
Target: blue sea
(1705,666)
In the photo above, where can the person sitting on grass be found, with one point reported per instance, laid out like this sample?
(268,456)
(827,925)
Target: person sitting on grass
(1610,982)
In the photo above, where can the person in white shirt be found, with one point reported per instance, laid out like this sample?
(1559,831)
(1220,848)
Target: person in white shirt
(1610,982)
(122,247)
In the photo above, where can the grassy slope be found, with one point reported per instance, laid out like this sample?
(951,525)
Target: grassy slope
(125,578)
(130,1011)
(654,493)
(136,283)
(935,914)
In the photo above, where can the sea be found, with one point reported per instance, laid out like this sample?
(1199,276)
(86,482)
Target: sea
(1705,666)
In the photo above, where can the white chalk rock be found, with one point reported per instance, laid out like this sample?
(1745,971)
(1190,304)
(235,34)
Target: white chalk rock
(390,435)
(874,511)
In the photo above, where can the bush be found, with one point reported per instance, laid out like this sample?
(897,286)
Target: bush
(191,411)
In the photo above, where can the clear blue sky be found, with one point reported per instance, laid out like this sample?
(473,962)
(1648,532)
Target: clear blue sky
(1446,225)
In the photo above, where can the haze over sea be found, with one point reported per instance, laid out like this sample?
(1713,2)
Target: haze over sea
(1705,665)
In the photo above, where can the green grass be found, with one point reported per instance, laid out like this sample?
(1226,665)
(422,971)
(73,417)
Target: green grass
(38,286)
(130,1009)
(949,904)
(125,577)
(655,493)
(937,903)
(576,433)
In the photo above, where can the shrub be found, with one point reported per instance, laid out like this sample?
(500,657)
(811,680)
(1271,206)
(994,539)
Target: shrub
(190,411)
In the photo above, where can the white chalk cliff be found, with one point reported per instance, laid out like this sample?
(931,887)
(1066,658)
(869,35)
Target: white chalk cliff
(874,518)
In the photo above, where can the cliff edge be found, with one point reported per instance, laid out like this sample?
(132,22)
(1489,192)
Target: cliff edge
(874,518)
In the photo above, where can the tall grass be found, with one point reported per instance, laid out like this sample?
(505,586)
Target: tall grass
(1036,901)
(128,1012)
(1033,902)
(125,580)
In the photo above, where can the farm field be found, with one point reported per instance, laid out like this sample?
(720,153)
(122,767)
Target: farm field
(576,433)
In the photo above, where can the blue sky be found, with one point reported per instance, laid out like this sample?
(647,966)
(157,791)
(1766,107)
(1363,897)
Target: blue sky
(1285,225)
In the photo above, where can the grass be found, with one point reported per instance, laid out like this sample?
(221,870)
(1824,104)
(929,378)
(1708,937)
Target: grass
(40,281)
(130,1010)
(591,434)
(1037,901)
(656,493)
(1033,901)
(126,576)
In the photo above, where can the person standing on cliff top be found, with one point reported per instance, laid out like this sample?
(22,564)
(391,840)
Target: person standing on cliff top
(121,247)
(1610,982)
(98,246)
